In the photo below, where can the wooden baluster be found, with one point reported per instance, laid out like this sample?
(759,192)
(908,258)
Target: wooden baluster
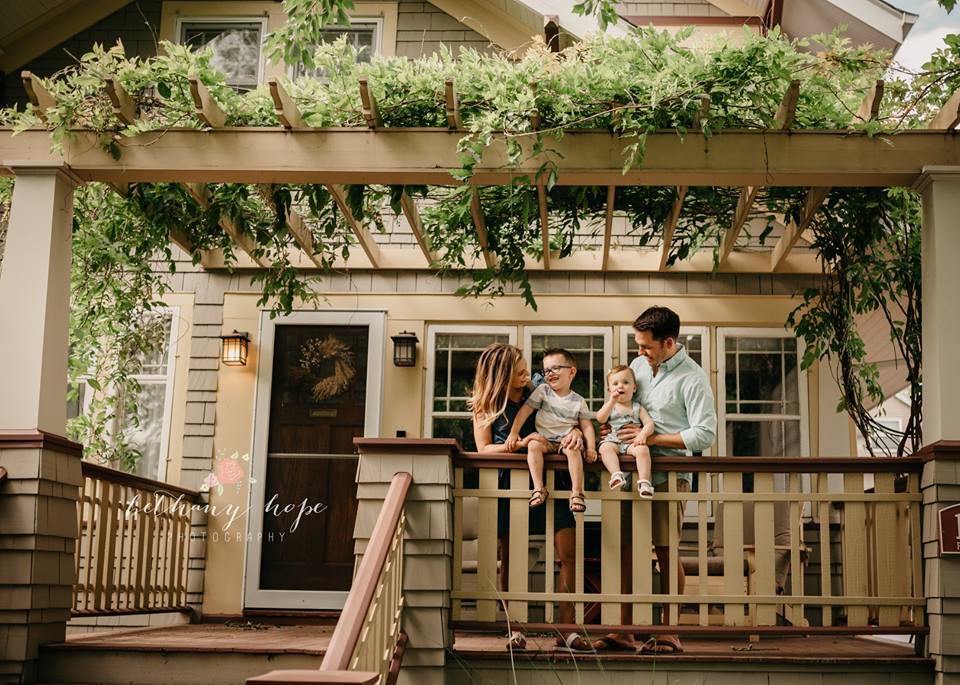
(641,563)
(145,561)
(733,549)
(673,608)
(113,535)
(88,597)
(487,546)
(549,568)
(136,554)
(456,604)
(579,562)
(904,560)
(122,536)
(765,576)
(823,514)
(96,563)
(519,545)
(174,564)
(887,552)
(610,554)
(78,588)
(916,549)
(854,536)
(703,587)
(796,539)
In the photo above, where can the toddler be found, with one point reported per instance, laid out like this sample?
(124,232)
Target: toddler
(620,410)
(559,410)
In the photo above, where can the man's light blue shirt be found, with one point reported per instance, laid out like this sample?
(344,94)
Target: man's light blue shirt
(679,400)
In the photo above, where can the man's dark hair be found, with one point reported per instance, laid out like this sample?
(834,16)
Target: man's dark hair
(662,323)
(567,357)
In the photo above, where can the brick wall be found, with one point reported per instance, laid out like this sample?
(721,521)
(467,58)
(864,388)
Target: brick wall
(135,24)
(421,27)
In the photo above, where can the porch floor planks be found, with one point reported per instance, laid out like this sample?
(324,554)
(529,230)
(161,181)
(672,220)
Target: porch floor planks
(824,650)
(209,637)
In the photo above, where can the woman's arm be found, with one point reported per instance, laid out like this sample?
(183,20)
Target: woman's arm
(483,436)
(513,440)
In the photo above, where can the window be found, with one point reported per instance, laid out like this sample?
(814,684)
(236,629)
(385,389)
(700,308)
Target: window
(591,347)
(695,341)
(762,394)
(154,402)
(235,44)
(362,34)
(452,355)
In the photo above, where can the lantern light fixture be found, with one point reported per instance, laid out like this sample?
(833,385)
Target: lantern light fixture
(235,347)
(404,348)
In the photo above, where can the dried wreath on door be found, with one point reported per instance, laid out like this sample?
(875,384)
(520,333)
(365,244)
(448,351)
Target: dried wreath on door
(327,366)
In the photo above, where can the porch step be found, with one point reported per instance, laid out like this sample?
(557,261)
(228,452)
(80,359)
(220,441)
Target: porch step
(204,654)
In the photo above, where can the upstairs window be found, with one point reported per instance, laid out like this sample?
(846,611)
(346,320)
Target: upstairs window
(362,34)
(236,46)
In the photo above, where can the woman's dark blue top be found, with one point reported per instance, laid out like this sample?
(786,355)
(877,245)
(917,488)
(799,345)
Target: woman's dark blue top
(500,431)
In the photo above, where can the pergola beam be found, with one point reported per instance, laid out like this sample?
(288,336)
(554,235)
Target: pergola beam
(367,243)
(670,225)
(870,107)
(286,108)
(410,211)
(244,242)
(124,107)
(544,223)
(40,98)
(480,225)
(297,227)
(425,156)
(948,116)
(812,202)
(788,107)
(608,227)
(204,105)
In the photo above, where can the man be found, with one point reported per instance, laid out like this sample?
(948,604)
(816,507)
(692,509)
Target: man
(676,392)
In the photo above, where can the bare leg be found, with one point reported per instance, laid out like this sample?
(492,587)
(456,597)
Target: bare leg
(565,542)
(644,465)
(609,455)
(575,466)
(663,561)
(535,451)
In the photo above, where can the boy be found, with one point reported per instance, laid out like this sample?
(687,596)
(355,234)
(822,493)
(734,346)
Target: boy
(559,410)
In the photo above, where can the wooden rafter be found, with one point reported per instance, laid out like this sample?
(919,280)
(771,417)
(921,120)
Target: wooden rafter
(870,107)
(245,242)
(371,113)
(948,116)
(40,98)
(369,245)
(410,211)
(784,120)
(287,111)
(297,227)
(205,107)
(480,225)
(124,107)
(670,226)
(452,106)
(544,224)
(608,228)
(815,197)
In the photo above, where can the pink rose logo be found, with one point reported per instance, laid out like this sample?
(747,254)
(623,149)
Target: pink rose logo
(228,471)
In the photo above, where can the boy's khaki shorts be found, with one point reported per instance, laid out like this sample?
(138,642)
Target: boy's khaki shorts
(661,514)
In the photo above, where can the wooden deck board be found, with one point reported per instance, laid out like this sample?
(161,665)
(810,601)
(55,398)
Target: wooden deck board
(795,650)
(208,637)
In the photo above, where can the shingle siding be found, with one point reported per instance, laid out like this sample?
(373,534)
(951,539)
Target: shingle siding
(422,27)
(678,8)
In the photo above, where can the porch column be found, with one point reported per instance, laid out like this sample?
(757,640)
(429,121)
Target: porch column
(940,189)
(38,511)
(428,543)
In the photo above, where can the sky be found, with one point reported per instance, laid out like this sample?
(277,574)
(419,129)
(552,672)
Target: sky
(927,34)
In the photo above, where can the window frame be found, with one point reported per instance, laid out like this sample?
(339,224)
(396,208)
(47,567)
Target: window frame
(228,19)
(430,362)
(605,331)
(802,391)
(378,20)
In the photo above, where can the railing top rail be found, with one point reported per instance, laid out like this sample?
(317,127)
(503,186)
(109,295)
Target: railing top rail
(20,439)
(347,632)
(717,464)
(100,472)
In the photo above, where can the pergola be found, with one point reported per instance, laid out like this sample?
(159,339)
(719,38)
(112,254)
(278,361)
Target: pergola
(34,281)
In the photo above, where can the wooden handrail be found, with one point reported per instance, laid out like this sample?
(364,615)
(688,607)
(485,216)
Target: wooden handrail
(347,633)
(716,464)
(100,472)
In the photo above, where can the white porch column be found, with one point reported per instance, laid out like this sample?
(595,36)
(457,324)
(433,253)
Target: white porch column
(940,189)
(38,510)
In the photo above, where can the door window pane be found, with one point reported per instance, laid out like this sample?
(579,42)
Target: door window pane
(235,46)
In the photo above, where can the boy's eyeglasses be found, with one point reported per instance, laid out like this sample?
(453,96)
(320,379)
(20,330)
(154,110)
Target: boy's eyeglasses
(554,370)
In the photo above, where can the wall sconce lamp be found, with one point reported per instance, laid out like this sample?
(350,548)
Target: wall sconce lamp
(235,347)
(404,348)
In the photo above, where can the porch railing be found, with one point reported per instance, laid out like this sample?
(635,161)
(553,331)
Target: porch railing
(847,558)
(133,544)
(368,642)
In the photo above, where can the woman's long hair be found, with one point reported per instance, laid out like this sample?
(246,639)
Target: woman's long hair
(491,385)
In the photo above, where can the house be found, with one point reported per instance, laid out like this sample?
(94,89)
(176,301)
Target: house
(271,444)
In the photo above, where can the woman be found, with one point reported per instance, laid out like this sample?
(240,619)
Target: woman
(501,386)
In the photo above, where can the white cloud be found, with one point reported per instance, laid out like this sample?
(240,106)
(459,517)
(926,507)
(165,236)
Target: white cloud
(917,48)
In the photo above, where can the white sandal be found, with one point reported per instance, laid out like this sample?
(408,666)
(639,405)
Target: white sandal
(618,480)
(645,488)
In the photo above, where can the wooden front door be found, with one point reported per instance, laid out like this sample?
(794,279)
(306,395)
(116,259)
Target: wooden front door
(318,403)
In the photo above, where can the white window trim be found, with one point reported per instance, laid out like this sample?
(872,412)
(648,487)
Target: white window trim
(209,19)
(605,331)
(722,335)
(432,332)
